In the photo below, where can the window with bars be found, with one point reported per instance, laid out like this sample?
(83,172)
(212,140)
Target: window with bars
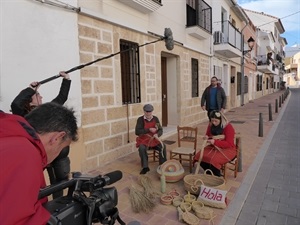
(246,84)
(272,82)
(267,84)
(130,72)
(195,78)
(199,13)
(258,83)
(239,83)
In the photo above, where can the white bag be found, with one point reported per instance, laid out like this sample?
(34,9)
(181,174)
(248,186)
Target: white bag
(212,197)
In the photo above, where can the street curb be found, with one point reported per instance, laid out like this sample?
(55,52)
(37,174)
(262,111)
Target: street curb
(232,213)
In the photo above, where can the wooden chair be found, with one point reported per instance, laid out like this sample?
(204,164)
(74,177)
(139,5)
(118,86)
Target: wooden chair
(152,153)
(234,164)
(187,144)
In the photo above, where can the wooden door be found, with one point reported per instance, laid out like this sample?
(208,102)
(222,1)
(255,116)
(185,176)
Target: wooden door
(164,91)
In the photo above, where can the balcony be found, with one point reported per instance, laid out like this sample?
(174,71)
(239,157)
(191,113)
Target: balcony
(267,65)
(199,20)
(144,6)
(291,66)
(228,42)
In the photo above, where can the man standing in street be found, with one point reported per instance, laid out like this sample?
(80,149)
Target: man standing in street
(213,97)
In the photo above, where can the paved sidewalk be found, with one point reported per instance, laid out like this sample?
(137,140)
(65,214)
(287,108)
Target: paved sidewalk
(274,197)
(245,119)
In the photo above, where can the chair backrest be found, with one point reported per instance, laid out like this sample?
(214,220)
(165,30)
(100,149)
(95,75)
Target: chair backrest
(187,135)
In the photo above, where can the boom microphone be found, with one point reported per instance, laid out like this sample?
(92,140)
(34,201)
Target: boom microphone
(169,42)
(169,39)
(104,180)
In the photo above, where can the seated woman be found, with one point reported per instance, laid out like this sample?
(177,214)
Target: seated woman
(218,151)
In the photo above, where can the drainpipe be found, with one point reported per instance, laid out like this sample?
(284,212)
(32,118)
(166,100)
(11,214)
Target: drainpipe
(243,67)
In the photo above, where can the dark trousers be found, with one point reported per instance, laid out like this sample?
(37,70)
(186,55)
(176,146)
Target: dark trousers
(59,170)
(144,156)
(206,166)
(209,111)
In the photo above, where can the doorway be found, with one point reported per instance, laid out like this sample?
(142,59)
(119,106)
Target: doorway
(169,65)
(164,92)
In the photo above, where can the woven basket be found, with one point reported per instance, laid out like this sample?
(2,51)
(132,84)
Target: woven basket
(202,211)
(177,201)
(186,206)
(172,170)
(190,218)
(166,199)
(189,198)
(192,182)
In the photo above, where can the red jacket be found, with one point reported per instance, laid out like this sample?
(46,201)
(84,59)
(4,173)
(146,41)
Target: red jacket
(213,156)
(22,160)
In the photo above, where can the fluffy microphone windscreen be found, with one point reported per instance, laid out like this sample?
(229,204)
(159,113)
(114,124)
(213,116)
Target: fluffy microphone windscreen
(168,37)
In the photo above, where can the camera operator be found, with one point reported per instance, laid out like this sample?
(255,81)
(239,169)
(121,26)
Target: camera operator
(28,99)
(27,146)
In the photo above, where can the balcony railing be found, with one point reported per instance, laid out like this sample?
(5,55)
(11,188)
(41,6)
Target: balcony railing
(228,34)
(267,64)
(199,13)
(264,60)
(145,6)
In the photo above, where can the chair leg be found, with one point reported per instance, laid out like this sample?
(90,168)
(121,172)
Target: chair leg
(224,171)
(191,162)
(236,166)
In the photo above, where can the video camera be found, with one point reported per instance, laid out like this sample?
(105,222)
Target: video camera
(86,202)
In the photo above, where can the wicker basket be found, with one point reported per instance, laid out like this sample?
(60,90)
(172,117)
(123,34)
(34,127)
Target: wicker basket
(190,218)
(202,211)
(172,170)
(177,201)
(185,206)
(192,182)
(189,198)
(166,199)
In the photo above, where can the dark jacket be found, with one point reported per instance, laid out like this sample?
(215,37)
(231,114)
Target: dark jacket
(145,137)
(221,97)
(23,159)
(18,106)
(140,128)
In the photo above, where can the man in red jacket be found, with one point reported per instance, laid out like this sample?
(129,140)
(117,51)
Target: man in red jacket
(26,147)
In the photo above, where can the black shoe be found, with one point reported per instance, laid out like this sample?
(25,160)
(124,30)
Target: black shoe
(145,170)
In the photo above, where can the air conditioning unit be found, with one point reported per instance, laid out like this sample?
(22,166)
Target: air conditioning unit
(218,37)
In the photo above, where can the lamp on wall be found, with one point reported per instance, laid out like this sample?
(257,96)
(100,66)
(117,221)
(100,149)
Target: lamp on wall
(250,42)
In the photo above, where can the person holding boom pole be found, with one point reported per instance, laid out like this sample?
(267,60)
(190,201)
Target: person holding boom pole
(28,99)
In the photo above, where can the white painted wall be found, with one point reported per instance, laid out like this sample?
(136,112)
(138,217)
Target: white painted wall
(155,22)
(37,41)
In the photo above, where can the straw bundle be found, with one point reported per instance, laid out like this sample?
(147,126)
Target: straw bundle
(149,189)
(139,201)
